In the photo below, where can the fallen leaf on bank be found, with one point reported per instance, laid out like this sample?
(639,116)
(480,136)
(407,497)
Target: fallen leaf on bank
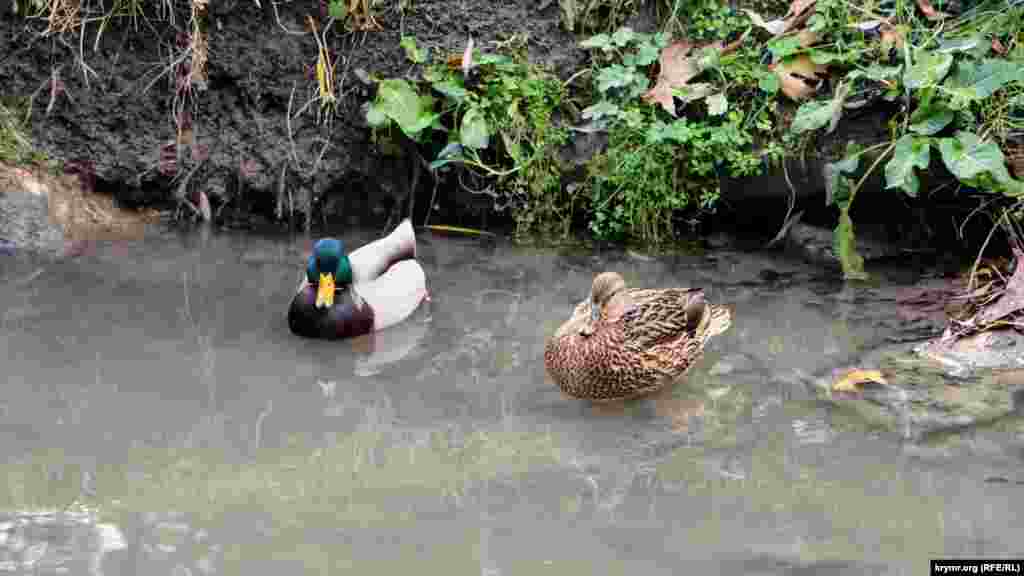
(676,69)
(929,11)
(891,36)
(798,77)
(1012,299)
(799,12)
(798,7)
(679,63)
(853,380)
(807,38)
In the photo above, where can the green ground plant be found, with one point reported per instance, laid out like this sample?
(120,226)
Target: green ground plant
(15,145)
(717,92)
(489,119)
(661,162)
(959,80)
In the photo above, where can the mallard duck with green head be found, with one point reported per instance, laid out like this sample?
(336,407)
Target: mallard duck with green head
(345,295)
(623,342)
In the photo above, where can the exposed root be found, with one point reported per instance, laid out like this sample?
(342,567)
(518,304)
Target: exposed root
(324,70)
(199,45)
(64,16)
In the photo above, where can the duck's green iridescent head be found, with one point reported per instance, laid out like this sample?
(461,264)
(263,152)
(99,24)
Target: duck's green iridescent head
(328,267)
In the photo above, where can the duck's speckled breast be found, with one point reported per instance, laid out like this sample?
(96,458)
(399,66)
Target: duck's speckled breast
(588,367)
(347,318)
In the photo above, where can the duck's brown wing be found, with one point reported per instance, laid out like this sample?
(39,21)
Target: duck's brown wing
(662,316)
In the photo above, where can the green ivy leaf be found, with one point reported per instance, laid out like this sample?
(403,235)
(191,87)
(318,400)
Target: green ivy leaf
(452,152)
(397,99)
(769,83)
(473,132)
(412,51)
(647,54)
(967,157)
(930,119)
(877,72)
(823,57)
(844,242)
(491,58)
(615,76)
(977,81)
(452,88)
(929,69)
(623,36)
(958,45)
(601,41)
(910,152)
(600,110)
(838,188)
(678,131)
(375,117)
(812,115)
(784,47)
(337,9)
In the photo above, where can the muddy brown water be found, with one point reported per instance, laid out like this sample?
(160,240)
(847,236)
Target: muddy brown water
(157,417)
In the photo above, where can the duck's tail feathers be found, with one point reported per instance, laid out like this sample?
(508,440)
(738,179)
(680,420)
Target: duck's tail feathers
(406,239)
(720,320)
(696,312)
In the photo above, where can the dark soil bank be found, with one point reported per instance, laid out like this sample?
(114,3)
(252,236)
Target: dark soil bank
(114,115)
(112,107)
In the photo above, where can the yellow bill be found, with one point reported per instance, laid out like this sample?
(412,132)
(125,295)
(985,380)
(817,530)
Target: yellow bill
(325,291)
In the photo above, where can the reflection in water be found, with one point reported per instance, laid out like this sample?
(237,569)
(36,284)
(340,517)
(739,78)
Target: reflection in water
(162,381)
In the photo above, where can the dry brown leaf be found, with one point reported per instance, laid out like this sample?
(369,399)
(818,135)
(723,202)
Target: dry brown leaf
(798,7)
(1012,299)
(679,63)
(797,75)
(798,13)
(676,69)
(929,11)
(807,38)
(891,36)
(851,381)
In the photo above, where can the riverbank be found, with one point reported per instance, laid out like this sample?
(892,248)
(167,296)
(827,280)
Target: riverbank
(595,119)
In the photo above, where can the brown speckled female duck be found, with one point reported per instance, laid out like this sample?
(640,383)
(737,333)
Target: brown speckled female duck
(622,343)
